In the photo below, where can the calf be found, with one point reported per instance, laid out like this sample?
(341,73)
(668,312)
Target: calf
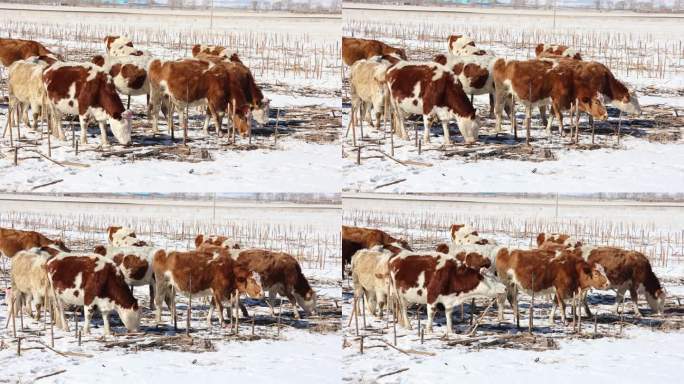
(121,46)
(474,72)
(539,82)
(86,90)
(215,50)
(200,273)
(433,278)
(14,240)
(431,89)
(370,274)
(545,50)
(460,45)
(129,74)
(369,91)
(91,280)
(544,272)
(123,237)
(29,278)
(12,50)
(355,239)
(355,49)
(191,82)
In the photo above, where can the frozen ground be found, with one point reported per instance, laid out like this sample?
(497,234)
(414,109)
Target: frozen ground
(640,350)
(302,351)
(297,70)
(641,161)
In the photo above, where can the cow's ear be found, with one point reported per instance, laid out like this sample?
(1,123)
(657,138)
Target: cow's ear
(199,240)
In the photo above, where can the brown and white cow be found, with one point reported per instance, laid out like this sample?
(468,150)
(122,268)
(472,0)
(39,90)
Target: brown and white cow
(545,239)
(123,237)
(92,281)
(465,234)
(135,262)
(128,72)
(433,278)
(215,50)
(121,46)
(14,240)
(474,72)
(12,50)
(537,83)
(429,89)
(561,273)
(191,82)
(464,46)
(86,90)
(199,273)
(546,50)
(356,238)
(216,240)
(354,49)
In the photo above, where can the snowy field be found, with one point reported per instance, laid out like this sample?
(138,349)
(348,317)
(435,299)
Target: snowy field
(296,62)
(606,349)
(642,51)
(294,351)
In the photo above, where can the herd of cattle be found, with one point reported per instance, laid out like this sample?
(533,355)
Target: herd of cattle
(47,271)
(385,270)
(214,78)
(383,79)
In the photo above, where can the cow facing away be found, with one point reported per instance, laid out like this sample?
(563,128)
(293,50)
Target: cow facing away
(29,279)
(369,93)
(355,49)
(86,90)
(14,240)
(429,89)
(370,276)
(90,280)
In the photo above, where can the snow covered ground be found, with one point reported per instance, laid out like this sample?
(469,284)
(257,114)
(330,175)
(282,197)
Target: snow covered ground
(642,349)
(302,351)
(294,60)
(640,163)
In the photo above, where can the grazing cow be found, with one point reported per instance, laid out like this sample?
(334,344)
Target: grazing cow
(123,237)
(12,50)
(431,89)
(433,278)
(192,82)
(26,89)
(215,50)
(355,49)
(199,273)
(546,50)
(460,45)
(562,273)
(29,278)
(474,72)
(369,93)
(546,239)
(121,46)
(86,90)
(135,262)
(539,82)
(128,72)
(14,240)
(355,238)
(216,240)
(370,274)
(465,234)
(91,280)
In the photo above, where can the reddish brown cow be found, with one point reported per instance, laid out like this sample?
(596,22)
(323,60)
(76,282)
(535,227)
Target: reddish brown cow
(91,280)
(85,90)
(354,49)
(192,82)
(201,273)
(539,82)
(435,278)
(12,50)
(545,50)
(562,273)
(429,89)
(215,50)
(355,238)
(14,240)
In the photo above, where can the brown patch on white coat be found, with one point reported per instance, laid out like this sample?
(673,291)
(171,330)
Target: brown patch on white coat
(545,50)
(215,50)
(460,45)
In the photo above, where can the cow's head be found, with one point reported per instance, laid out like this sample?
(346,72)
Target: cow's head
(121,128)
(130,317)
(490,285)
(241,120)
(592,276)
(247,282)
(261,110)
(593,106)
(308,301)
(629,103)
(469,127)
(657,301)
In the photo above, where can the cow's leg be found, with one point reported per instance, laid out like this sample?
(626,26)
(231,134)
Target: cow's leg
(491,105)
(528,123)
(159,296)
(404,314)
(105,320)
(542,114)
(219,309)
(169,117)
(170,299)
(87,315)
(205,128)
(184,118)
(559,117)
(549,122)
(561,305)
(103,133)
(619,295)
(243,309)
(152,297)
(430,317)
(499,100)
(426,129)
(83,122)
(635,299)
(500,299)
(293,301)
(445,128)
(210,312)
(552,314)
(448,311)
(270,300)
